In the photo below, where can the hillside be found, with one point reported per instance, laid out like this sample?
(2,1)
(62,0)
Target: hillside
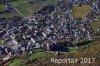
(35,31)
(44,59)
(90,51)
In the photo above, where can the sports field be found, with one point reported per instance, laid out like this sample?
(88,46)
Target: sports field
(80,12)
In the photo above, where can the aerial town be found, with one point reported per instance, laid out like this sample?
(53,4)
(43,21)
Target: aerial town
(52,28)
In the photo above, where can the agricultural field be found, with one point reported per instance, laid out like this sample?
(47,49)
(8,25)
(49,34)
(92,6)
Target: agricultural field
(24,9)
(20,2)
(7,14)
(27,8)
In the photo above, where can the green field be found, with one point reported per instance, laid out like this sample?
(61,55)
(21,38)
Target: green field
(44,58)
(8,15)
(37,54)
(80,12)
(0,42)
(24,58)
(26,9)
(20,2)
(73,11)
(90,51)
(98,17)
(17,62)
(95,26)
(52,2)
(2,8)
